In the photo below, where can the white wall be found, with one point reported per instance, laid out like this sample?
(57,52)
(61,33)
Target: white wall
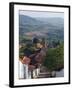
(4,43)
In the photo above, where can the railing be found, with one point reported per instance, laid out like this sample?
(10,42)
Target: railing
(24,73)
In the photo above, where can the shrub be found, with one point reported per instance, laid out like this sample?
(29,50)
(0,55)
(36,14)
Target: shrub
(54,59)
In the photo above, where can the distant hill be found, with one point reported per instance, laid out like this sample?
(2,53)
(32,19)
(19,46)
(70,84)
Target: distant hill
(27,24)
(52,20)
(51,28)
(23,20)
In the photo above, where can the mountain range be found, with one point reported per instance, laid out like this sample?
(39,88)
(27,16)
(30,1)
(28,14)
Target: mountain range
(51,28)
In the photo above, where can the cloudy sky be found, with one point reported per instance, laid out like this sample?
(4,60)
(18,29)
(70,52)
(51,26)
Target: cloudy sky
(41,14)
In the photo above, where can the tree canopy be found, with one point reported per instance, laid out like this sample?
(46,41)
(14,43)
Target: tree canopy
(54,59)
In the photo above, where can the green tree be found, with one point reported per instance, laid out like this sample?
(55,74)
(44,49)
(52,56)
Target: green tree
(54,59)
(59,53)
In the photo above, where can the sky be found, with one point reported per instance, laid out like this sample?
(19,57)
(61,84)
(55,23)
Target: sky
(44,14)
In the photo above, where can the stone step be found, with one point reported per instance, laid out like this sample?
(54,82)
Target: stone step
(44,75)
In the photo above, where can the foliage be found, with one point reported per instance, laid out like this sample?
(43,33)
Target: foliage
(26,48)
(54,59)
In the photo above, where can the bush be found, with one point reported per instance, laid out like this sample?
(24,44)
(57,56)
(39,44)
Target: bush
(54,59)
(26,49)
